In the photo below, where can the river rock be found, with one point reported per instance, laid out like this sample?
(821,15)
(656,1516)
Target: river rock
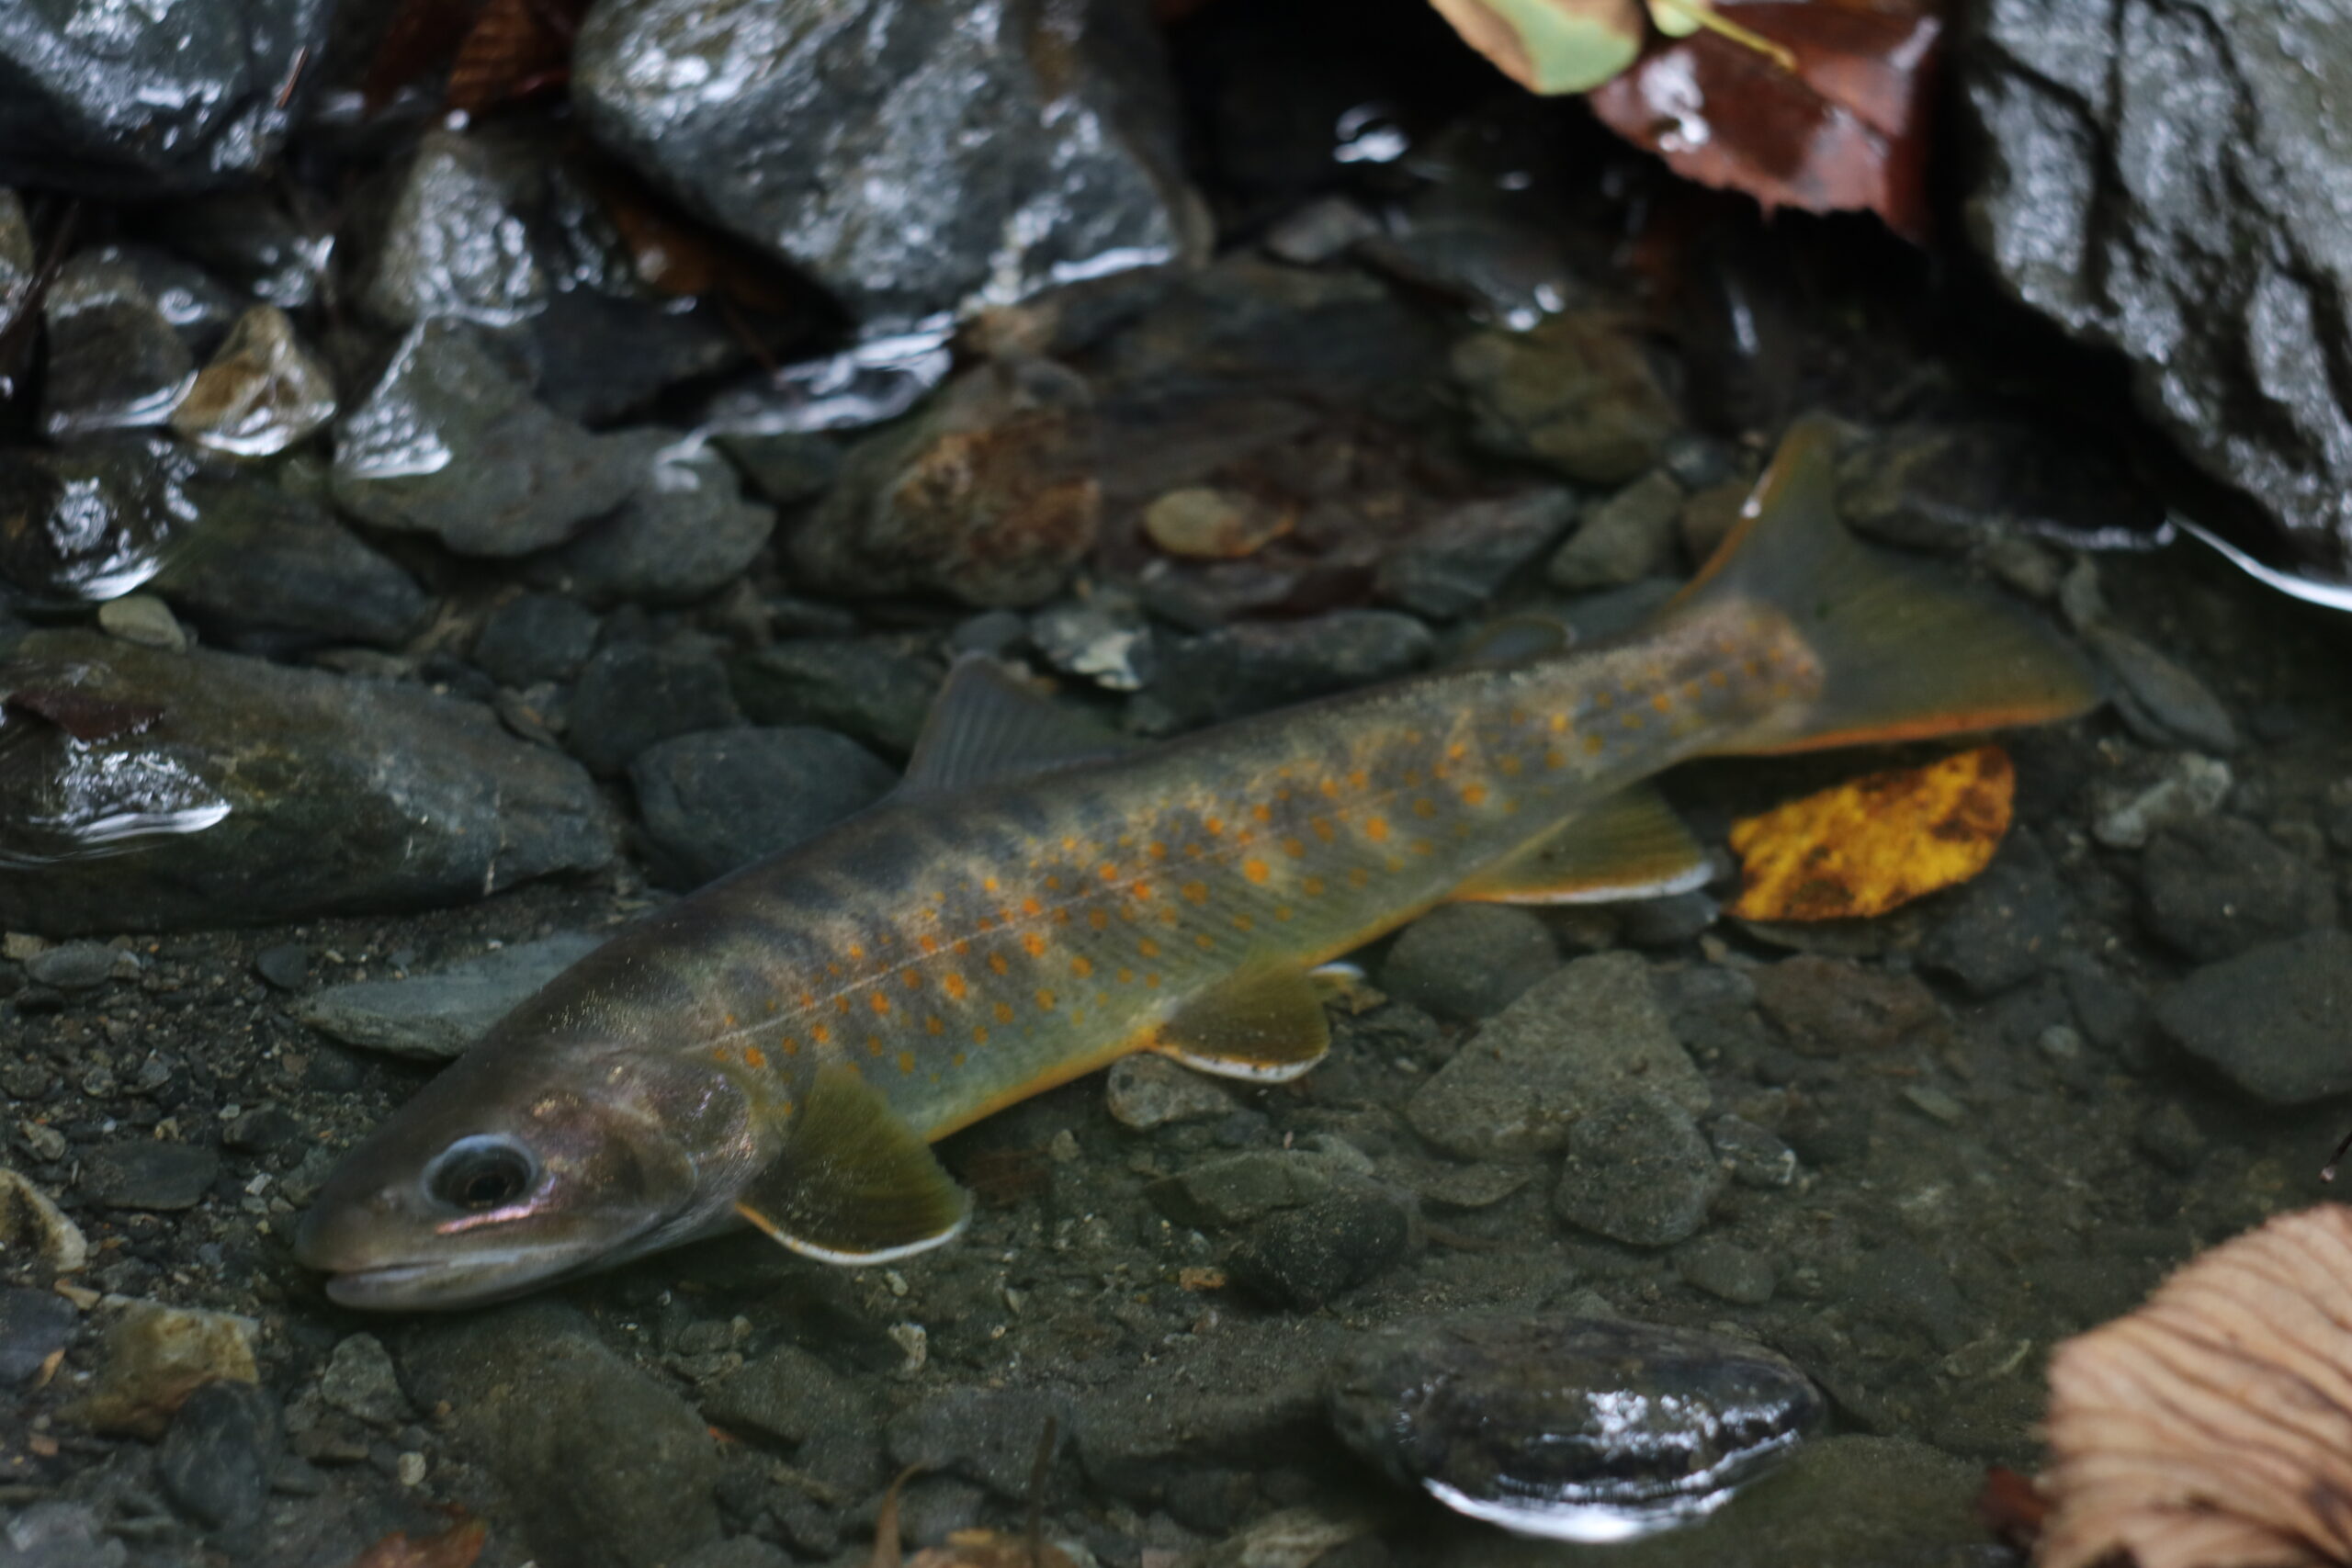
(2162,703)
(909,157)
(450,240)
(1625,539)
(1257,665)
(31,1224)
(152,1358)
(1301,1258)
(686,532)
(534,638)
(1592,1028)
(633,694)
(2275,1021)
(279,793)
(1831,1007)
(2186,787)
(2128,144)
(861,689)
(215,1461)
(114,361)
(1458,559)
(1144,1091)
(1638,1171)
(2216,887)
(2003,927)
(34,1324)
(140,101)
(987,494)
(261,392)
(451,442)
(988,1435)
(436,1016)
(1579,394)
(718,799)
(1468,961)
(250,237)
(144,1173)
(94,521)
(267,571)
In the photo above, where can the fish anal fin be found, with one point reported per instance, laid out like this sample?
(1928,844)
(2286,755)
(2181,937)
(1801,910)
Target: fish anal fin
(1266,1025)
(987,726)
(1630,846)
(855,1183)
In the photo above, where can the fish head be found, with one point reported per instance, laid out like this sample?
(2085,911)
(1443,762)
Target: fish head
(506,1175)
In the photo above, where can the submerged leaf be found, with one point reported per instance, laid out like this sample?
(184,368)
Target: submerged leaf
(1551,46)
(455,1547)
(1876,842)
(991,1548)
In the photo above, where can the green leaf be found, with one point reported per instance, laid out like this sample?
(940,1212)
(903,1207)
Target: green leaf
(1552,46)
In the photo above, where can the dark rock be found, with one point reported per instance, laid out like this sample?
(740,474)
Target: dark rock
(114,361)
(1727,1270)
(276,794)
(988,495)
(1249,668)
(788,469)
(606,1467)
(269,572)
(1144,1091)
(1301,1258)
(247,236)
(1219,1194)
(261,393)
(1753,1154)
(2164,702)
(742,1551)
(141,102)
(787,1395)
(686,532)
(1832,1006)
(1456,562)
(908,158)
(266,1129)
(33,1325)
(215,1461)
(534,638)
(1578,394)
(142,1173)
(988,1435)
(633,694)
(1468,961)
(1624,539)
(1529,1421)
(2170,1136)
(722,798)
(2217,888)
(436,1016)
(98,518)
(452,241)
(1588,1032)
(1638,1171)
(1909,1291)
(2274,1021)
(861,689)
(2113,1015)
(62,1535)
(1102,638)
(2164,180)
(450,443)
(71,967)
(1949,488)
(2003,927)
(1668,921)
(359,1380)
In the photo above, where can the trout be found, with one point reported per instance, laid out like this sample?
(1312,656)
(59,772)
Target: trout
(782,1046)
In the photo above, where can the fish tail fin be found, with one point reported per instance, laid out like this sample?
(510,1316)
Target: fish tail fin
(1902,653)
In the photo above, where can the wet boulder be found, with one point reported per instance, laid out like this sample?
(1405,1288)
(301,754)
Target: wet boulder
(94,521)
(718,799)
(686,532)
(910,157)
(213,788)
(143,100)
(266,571)
(114,360)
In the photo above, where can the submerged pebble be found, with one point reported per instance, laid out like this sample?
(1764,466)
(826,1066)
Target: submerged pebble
(1581,1429)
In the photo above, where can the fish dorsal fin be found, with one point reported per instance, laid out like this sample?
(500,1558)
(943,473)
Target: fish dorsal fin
(1630,846)
(1513,640)
(987,726)
(1262,1024)
(855,1183)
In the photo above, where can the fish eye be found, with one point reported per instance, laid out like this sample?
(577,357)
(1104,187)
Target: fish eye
(480,1172)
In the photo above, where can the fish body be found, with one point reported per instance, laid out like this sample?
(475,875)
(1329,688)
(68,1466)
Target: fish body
(781,1045)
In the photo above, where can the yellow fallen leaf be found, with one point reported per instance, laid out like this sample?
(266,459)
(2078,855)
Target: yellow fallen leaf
(1875,843)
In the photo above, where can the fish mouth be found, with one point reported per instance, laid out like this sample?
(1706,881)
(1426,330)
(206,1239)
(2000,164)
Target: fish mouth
(476,1280)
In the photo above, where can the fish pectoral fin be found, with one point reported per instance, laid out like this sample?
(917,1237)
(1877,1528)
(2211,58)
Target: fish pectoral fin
(1630,846)
(1264,1024)
(855,1183)
(985,725)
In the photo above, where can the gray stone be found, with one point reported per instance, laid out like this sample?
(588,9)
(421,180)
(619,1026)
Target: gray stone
(114,361)
(359,1380)
(718,799)
(142,619)
(1755,1156)
(988,1435)
(1592,1029)
(787,469)
(862,689)
(787,1395)
(142,1173)
(2188,787)
(742,1552)
(2275,1021)
(1579,394)
(137,101)
(1625,539)
(268,572)
(452,242)
(2167,180)
(910,158)
(606,1467)
(633,695)
(2216,887)
(1249,668)
(1457,560)
(215,1461)
(261,393)
(436,1016)
(73,965)
(1639,1170)
(1727,1270)
(34,1324)
(98,519)
(1301,1258)
(2166,702)
(278,794)
(1831,1007)
(1144,1091)
(2003,927)
(1102,638)
(1221,1193)
(686,533)
(988,495)
(534,638)
(451,442)
(152,1356)
(1468,961)
(62,1535)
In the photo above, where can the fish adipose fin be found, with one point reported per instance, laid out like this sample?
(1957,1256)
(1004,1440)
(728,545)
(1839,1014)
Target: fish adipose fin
(1903,653)
(1263,1024)
(1630,846)
(854,1184)
(986,725)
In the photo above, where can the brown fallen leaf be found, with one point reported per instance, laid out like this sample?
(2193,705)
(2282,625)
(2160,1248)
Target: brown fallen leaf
(1844,129)
(991,1549)
(83,715)
(514,49)
(455,1547)
(1876,842)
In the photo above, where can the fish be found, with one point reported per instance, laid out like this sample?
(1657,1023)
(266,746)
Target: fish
(1039,897)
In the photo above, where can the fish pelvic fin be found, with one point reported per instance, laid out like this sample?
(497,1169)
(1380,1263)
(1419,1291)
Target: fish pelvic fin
(1266,1025)
(1902,653)
(1630,846)
(855,1183)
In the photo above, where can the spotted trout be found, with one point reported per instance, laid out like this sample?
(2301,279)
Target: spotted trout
(782,1046)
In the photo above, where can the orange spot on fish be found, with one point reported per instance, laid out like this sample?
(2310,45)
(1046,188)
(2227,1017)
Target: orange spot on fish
(979,1035)
(1243,923)
(1195,892)
(1358,876)
(1262,812)
(1554,758)
(911,978)
(1594,745)
(840,1002)
(1082,966)
(1412,779)
(928,942)
(1663,703)
(1061,917)
(731,1021)
(1004,1012)
(1033,945)
(962,949)
(1603,701)
(1031,907)
(1360,779)
(1155,850)
(821,1033)
(881,1004)
(1295,848)
(1718,680)
(1098,918)
(1473,795)
(1323,829)
(1046,1000)
(1424,809)
(1377,830)
(1254,869)
(1331,787)
(958,1059)
(1205,943)
(753,1055)
(1283,911)
(1053,885)
(955,985)
(1632,720)
(906,1061)
(874,1044)
(791,1047)
(1559,724)
(1312,887)
(1151,982)
(1149,948)
(997,963)
(934,1026)
(1126,976)
(1107,872)
(988,884)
